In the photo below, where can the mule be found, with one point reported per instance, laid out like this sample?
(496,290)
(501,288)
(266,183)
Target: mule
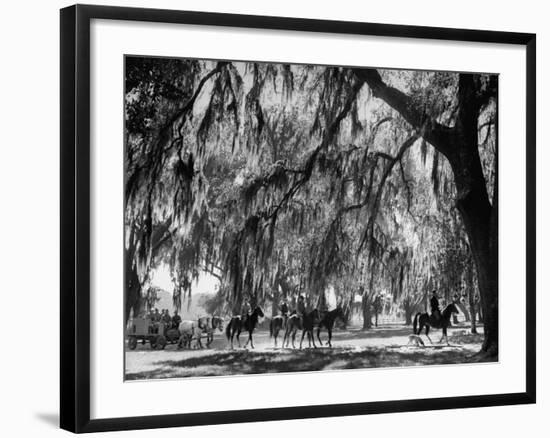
(188,331)
(208,325)
(422,320)
(247,322)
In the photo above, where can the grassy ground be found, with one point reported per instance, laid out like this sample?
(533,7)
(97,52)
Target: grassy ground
(383,347)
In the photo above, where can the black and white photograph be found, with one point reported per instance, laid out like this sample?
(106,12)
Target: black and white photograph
(281,218)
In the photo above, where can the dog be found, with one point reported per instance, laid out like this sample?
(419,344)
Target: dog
(415,340)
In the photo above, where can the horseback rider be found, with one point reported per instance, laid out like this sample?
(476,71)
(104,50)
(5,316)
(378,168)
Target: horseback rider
(301,306)
(246,309)
(283,308)
(434,304)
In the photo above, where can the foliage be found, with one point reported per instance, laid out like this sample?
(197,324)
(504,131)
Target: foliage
(285,179)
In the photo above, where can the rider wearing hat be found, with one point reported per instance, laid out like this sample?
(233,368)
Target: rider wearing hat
(246,308)
(434,304)
(301,306)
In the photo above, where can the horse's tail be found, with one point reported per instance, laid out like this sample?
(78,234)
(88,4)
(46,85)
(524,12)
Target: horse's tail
(415,322)
(228,329)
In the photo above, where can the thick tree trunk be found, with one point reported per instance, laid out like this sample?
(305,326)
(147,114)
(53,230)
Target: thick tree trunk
(367,315)
(408,315)
(483,239)
(480,223)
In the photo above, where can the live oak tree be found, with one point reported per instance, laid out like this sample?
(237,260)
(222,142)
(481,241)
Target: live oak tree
(280,180)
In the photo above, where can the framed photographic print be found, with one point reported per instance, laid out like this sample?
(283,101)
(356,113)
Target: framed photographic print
(253,203)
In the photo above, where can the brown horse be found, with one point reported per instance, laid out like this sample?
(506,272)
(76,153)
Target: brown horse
(306,323)
(246,322)
(422,320)
(276,325)
(327,321)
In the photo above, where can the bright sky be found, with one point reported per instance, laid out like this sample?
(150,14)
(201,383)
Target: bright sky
(206,283)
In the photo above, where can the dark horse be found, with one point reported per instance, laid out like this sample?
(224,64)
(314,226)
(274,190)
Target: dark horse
(246,322)
(327,321)
(422,320)
(306,323)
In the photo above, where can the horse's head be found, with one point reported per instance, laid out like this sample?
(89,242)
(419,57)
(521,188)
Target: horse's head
(258,311)
(449,310)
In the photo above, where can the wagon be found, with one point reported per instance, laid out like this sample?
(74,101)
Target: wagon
(145,330)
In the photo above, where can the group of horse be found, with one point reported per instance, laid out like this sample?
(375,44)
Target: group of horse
(290,324)
(205,327)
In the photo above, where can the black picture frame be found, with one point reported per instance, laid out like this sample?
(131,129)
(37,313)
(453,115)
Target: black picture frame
(75,217)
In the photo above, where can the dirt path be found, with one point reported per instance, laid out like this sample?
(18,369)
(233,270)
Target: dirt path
(382,347)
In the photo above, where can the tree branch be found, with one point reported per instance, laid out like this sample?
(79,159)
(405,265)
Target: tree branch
(439,136)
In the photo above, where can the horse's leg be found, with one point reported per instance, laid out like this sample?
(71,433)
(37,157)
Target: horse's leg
(238,334)
(330,337)
(302,340)
(275,334)
(319,337)
(251,340)
(428,331)
(445,335)
(313,339)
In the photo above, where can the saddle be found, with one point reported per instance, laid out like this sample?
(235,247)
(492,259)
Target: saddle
(435,318)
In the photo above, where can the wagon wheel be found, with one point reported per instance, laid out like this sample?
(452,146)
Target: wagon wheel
(160,342)
(132,343)
(153,342)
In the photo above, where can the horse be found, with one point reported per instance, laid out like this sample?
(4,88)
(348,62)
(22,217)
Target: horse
(248,322)
(209,325)
(188,331)
(422,320)
(305,323)
(277,324)
(328,320)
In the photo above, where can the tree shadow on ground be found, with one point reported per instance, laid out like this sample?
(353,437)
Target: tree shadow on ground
(379,332)
(277,361)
